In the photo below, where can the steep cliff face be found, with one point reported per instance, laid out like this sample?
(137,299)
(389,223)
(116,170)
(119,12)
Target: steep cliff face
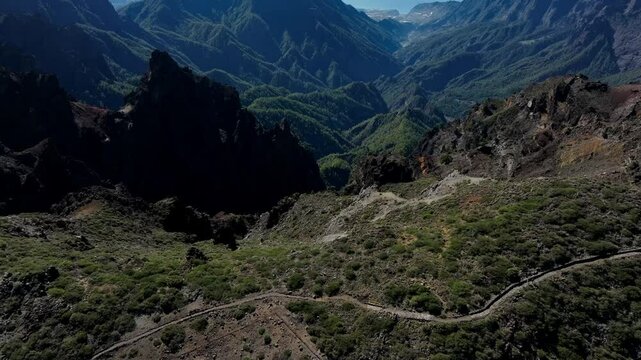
(183,135)
(178,135)
(565,126)
(34,107)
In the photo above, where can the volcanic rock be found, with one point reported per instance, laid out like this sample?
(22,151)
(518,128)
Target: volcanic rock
(566,126)
(379,170)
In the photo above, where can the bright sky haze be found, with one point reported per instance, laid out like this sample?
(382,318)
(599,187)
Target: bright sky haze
(403,6)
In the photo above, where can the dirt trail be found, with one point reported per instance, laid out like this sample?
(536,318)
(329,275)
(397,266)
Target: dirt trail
(389,202)
(491,307)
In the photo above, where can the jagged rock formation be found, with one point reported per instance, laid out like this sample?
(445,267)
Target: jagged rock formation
(33,179)
(183,135)
(179,135)
(376,170)
(565,126)
(176,216)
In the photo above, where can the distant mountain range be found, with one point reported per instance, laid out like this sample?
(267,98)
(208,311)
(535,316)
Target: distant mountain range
(120,3)
(301,45)
(493,48)
(421,14)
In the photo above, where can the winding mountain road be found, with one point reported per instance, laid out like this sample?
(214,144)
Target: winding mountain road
(492,306)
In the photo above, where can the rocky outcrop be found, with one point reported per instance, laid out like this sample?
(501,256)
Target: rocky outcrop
(186,136)
(34,108)
(33,179)
(273,216)
(24,300)
(179,135)
(178,217)
(229,228)
(566,126)
(379,170)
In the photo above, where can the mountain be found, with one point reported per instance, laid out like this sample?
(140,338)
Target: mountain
(500,268)
(321,118)
(315,41)
(97,13)
(120,3)
(93,52)
(493,48)
(303,46)
(567,126)
(420,14)
(432,12)
(379,14)
(178,135)
(342,125)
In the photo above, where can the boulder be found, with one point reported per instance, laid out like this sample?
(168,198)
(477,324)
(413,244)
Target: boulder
(376,170)
(229,228)
(176,216)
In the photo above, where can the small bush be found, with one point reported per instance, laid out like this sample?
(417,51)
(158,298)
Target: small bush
(295,282)
(243,310)
(200,325)
(173,337)
(333,287)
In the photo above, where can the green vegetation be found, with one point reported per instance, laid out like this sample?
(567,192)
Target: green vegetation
(592,312)
(445,258)
(132,269)
(295,282)
(199,325)
(318,118)
(335,170)
(243,310)
(395,132)
(173,337)
(416,297)
(341,125)
(452,256)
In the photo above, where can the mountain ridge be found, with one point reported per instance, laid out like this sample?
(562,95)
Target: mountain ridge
(137,145)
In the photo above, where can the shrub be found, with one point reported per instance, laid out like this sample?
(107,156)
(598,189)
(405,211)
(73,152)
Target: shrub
(295,282)
(243,310)
(173,337)
(333,287)
(200,325)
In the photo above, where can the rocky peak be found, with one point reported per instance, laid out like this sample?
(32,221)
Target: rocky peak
(564,126)
(187,136)
(168,94)
(179,135)
(34,107)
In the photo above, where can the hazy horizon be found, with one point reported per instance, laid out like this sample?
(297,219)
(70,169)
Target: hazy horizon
(403,6)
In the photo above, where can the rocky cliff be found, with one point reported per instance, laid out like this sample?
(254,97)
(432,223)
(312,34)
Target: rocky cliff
(565,126)
(178,135)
